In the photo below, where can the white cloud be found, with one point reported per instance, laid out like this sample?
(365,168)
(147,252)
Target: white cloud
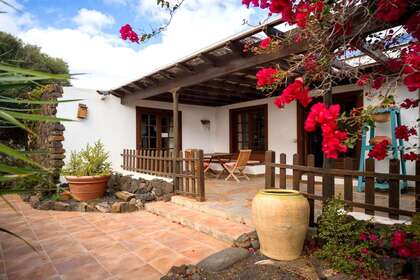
(116,2)
(92,21)
(110,62)
(13,20)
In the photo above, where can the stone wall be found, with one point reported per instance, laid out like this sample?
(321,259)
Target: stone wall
(50,134)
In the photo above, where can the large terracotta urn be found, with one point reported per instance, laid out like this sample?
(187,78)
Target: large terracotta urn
(281,218)
(84,188)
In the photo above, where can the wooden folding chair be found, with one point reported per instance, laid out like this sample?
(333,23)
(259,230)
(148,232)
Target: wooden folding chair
(238,166)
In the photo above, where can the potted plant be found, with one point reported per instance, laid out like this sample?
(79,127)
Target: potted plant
(88,171)
(381,114)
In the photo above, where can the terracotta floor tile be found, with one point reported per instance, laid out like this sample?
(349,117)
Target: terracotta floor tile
(181,243)
(146,272)
(90,271)
(73,262)
(148,253)
(119,263)
(197,253)
(42,272)
(115,249)
(63,247)
(26,261)
(163,264)
(97,242)
(138,242)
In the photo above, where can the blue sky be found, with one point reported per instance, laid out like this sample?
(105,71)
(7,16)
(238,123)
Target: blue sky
(85,33)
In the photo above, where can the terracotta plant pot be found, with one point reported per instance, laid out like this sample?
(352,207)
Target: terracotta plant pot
(381,117)
(378,139)
(281,218)
(85,188)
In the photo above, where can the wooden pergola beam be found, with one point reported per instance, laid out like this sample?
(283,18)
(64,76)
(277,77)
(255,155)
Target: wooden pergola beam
(185,68)
(273,32)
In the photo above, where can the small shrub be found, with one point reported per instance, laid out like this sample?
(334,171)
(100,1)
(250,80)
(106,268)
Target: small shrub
(357,247)
(91,161)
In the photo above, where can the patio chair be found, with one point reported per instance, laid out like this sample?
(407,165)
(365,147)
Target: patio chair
(238,166)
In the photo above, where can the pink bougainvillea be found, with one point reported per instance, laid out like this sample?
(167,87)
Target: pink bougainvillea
(390,10)
(379,151)
(266,76)
(127,33)
(294,91)
(333,138)
(403,132)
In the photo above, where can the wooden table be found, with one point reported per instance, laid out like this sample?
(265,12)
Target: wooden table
(217,158)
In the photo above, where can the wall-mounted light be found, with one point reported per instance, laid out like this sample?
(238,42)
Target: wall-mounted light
(82,111)
(206,123)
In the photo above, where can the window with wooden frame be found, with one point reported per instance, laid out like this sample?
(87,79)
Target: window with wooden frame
(154,129)
(249,130)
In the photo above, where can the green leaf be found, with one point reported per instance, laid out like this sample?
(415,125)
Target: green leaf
(23,71)
(37,102)
(16,170)
(33,117)
(7,115)
(18,155)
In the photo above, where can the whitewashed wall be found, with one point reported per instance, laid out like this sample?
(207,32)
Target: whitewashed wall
(107,121)
(114,124)
(408,117)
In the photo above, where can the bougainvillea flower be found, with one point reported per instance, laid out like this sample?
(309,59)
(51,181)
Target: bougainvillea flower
(403,132)
(378,82)
(379,151)
(398,239)
(412,25)
(364,251)
(127,33)
(363,80)
(412,81)
(332,138)
(411,156)
(404,252)
(363,236)
(266,76)
(302,13)
(390,10)
(265,43)
(415,248)
(294,91)
(410,103)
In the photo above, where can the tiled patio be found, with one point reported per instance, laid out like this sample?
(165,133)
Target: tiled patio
(74,245)
(233,200)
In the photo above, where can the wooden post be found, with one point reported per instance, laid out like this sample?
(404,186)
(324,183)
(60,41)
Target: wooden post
(328,163)
(418,187)
(175,95)
(199,155)
(282,175)
(394,188)
(370,186)
(269,170)
(311,189)
(296,173)
(348,182)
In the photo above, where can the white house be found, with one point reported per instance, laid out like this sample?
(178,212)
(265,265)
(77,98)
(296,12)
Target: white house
(220,109)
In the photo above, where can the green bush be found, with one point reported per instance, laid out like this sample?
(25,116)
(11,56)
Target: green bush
(91,161)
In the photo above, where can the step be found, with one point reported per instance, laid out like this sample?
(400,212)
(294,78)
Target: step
(237,214)
(220,228)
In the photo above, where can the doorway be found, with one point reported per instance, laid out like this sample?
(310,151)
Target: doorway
(311,143)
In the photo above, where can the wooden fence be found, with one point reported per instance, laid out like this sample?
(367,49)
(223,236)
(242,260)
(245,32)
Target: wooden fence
(328,183)
(186,170)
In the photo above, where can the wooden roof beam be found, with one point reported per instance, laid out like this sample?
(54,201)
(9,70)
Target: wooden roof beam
(273,32)
(185,68)
(224,85)
(166,74)
(208,59)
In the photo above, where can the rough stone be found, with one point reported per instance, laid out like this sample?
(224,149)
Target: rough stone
(61,206)
(223,259)
(53,138)
(125,183)
(145,197)
(243,241)
(116,207)
(83,207)
(34,201)
(103,207)
(124,195)
(255,244)
(46,205)
(393,266)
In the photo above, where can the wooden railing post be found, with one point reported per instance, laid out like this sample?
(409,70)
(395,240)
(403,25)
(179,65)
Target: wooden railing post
(282,175)
(199,161)
(269,169)
(417,192)
(394,188)
(348,182)
(296,173)
(370,185)
(311,189)
(327,183)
